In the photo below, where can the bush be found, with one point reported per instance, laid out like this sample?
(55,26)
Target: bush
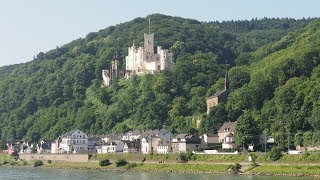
(49,161)
(24,162)
(235,168)
(104,162)
(182,158)
(131,166)
(37,163)
(12,163)
(275,153)
(121,162)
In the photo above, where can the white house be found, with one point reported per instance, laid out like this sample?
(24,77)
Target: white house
(131,146)
(163,147)
(226,135)
(74,141)
(184,142)
(113,147)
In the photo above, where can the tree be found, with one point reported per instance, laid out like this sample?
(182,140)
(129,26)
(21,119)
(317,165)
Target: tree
(217,116)
(247,129)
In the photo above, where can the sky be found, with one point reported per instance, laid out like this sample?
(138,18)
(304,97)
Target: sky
(33,26)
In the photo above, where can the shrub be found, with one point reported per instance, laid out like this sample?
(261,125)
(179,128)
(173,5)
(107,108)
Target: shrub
(275,153)
(235,168)
(37,163)
(49,161)
(131,166)
(104,162)
(12,163)
(182,158)
(121,162)
(24,162)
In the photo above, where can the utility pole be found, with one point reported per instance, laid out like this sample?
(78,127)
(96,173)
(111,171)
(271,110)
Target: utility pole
(288,139)
(265,143)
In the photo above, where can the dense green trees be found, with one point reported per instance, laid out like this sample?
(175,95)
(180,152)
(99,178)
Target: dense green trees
(276,77)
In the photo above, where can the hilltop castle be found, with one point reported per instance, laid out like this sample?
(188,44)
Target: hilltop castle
(140,60)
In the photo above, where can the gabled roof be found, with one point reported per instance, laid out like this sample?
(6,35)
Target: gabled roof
(132,144)
(212,135)
(228,127)
(70,132)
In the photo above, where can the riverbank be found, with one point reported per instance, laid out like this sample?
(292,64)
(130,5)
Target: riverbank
(168,163)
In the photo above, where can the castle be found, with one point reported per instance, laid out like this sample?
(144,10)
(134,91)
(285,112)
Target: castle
(140,60)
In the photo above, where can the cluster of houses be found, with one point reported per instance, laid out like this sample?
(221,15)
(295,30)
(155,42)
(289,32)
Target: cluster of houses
(144,142)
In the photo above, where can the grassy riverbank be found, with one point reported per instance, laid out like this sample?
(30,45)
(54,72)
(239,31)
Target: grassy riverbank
(196,168)
(302,170)
(307,158)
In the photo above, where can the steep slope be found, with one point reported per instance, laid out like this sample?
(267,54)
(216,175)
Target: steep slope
(283,90)
(61,89)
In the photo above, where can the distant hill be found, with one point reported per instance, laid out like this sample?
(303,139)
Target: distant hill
(61,89)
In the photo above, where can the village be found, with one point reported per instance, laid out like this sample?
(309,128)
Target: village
(132,142)
(140,61)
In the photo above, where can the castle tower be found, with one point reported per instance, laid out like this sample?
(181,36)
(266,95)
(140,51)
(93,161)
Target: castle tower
(149,43)
(114,65)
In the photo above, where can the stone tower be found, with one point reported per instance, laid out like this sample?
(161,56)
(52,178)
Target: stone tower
(148,43)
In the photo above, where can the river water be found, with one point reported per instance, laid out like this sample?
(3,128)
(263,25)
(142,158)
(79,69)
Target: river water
(61,174)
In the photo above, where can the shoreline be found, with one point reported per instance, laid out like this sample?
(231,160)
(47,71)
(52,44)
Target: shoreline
(61,166)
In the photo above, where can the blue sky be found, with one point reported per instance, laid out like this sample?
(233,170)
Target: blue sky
(29,27)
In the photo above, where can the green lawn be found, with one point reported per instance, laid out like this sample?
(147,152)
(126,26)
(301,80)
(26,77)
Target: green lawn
(287,169)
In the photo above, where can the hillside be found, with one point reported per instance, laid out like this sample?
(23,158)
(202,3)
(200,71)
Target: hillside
(61,89)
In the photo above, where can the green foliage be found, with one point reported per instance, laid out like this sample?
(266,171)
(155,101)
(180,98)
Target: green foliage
(131,166)
(182,158)
(104,162)
(275,153)
(37,163)
(49,161)
(121,162)
(235,168)
(247,129)
(61,89)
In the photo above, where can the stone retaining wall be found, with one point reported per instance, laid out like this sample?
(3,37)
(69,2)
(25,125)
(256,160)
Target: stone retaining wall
(56,157)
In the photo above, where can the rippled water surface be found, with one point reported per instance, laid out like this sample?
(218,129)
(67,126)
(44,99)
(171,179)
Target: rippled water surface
(41,173)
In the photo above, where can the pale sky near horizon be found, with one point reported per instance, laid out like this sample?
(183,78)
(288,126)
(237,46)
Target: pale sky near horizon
(33,26)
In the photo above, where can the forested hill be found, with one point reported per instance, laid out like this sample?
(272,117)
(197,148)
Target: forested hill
(61,89)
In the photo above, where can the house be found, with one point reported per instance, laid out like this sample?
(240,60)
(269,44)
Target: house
(110,137)
(210,139)
(27,148)
(226,135)
(219,97)
(74,141)
(131,146)
(185,142)
(150,140)
(149,144)
(164,147)
(44,147)
(131,136)
(115,147)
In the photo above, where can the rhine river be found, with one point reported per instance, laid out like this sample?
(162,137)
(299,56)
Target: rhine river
(61,174)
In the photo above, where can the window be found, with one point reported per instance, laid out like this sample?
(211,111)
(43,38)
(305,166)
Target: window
(84,136)
(84,141)
(74,141)
(74,136)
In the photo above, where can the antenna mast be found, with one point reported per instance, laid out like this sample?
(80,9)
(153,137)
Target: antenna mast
(149,25)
